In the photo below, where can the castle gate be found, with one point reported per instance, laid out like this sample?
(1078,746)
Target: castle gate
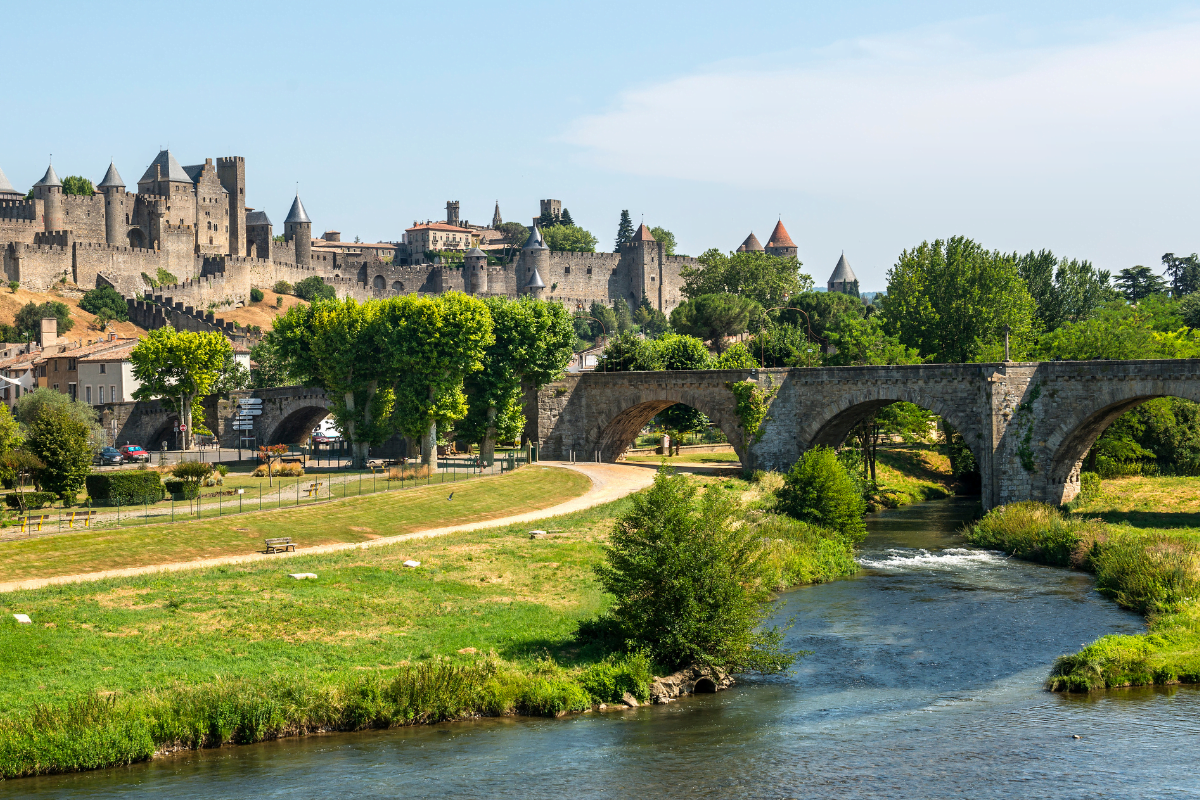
(1029,425)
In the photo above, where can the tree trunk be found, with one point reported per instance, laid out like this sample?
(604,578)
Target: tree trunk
(429,447)
(185,415)
(357,450)
(487,448)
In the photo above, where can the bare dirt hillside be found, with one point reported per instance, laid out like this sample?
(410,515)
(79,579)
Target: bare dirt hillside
(262,313)
(84,329)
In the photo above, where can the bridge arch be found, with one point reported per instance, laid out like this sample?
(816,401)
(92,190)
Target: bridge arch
(618,425)
(296,426)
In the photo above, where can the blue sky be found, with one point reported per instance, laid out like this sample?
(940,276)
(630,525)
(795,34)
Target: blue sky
(869,126)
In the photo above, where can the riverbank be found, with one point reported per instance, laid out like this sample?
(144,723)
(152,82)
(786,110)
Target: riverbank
(1152,567)
(117,670)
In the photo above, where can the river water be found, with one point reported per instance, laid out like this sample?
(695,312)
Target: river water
(925,682)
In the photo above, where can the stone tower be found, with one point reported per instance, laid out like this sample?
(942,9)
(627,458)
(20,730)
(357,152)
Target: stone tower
(536,286)
(50,191)
(780,244)
(535,260)
(113,189)
(645,256)
(231,172)
(298,228)
(496,220)
(843,278)
(475,263)
(452,212)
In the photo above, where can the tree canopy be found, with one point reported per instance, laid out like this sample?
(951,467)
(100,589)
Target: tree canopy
(314,288)
(1065,290)
(624,231)
(105,299)
(180,367)
(713,317)
(666,237)
(28,321)
(768,280)
(1138,282)
(77,184)
(569,238)
(1121,331)
(1184,272)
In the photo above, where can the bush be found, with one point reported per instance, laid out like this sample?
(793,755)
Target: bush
(282,287)
(1089,486)
(609,680)
(128,487)
(33,500)
(182,490)
(314,288)
(690,585)
(105,299)
(280,471)
(279,301)
(223,469)
(256,295)
(194,471)
(819,490)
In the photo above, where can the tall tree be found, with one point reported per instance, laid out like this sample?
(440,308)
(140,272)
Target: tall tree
(713,317)
(650,320)
(1184,272)
(30,406)
(1138,282)
(768,280)
(624,231)
(666,237)
(77,184)
(862,341)
(533,343)
(28,321)
(817,311)
(604,320)
(179,367)
(565,219)
(569,238)
(951,300)
(270,367)
(60,441)
(1065,290)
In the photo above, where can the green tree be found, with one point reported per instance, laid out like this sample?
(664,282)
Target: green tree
(76,184)
(713,317)
(31,405)
(270,367)
(768,280)
(607,325)
(951,300)
(180,367)
(515,233)
(1184,272)
(816,312)
(10,439)
(819,490)
(624,231)
(1189,310)
(107,299)
(60,441)
(736,357)
(1138,282)
(233,376)
(1120,331)
(429,345)
(912,423)
(784,346)
(565,219)
(532,345)
(666,237)
(570,238)
(314,288)
(624,315)
(650,320)
(1065,290)
(28,322)
(627,352)
(862,341)
(688,584)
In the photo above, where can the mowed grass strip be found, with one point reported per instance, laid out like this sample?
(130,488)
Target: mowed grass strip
(481,592)
(354,519)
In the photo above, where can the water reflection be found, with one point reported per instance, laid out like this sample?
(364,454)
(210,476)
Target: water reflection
(925,682)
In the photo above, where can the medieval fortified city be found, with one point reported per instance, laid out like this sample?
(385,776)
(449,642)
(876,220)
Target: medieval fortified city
(643,491)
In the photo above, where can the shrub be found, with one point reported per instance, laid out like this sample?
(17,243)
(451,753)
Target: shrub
(819,490)
(256,295)
(407,473)
(13,286)
(194,471)
(280,471)
(33,500)
(127,487)
(1089,486)
(223,469)
(609,680)
(689,585)
(314,288)
(181,489)
(105,299)
(282,287)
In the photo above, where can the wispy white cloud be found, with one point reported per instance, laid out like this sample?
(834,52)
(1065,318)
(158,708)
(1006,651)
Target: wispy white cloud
(926,110)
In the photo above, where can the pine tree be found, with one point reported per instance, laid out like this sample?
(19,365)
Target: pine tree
(624,230)
(565,219)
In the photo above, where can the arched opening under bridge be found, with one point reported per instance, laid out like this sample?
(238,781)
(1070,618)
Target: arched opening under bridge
(623,428)
(297,426)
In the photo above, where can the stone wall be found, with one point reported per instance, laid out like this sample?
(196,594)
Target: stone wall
(37,267)
(83,215)
(164,311)
(115,265)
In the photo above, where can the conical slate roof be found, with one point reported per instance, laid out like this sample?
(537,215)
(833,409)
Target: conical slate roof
(842,272)
(112,179)
(643,234)
(496,218)
(50,178)
(535,281)
(5,186)
(476,252)
(779,237)
(535,241)
(170,168)
(297,214)
(751,243)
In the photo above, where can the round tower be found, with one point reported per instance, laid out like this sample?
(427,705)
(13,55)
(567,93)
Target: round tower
(535,261)
(49,190)
(114,206)
(476,267)
(297,228)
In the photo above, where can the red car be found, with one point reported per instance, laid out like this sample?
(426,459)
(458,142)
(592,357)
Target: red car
(131,452)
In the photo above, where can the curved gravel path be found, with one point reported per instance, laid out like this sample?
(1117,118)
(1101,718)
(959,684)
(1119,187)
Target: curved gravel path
(609,482)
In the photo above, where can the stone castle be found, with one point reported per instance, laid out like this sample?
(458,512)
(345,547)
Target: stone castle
(191,223)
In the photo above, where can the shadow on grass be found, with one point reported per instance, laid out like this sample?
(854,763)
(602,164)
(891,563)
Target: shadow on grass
(911,463)
(1165,520)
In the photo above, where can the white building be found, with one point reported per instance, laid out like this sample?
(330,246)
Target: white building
(107,377)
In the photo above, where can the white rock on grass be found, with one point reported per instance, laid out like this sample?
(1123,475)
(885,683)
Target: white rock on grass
(22,618)
(304,576)
(411,563)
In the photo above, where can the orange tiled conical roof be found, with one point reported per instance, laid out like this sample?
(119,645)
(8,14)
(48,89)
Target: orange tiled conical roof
(643,235)
(779,237)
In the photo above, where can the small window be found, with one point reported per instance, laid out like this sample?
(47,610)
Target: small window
(566,270)
(56,365)
(70,365)
(112,394)
(101,389)
(102,370)
(87,393)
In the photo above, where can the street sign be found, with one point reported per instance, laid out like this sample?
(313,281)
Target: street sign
(183,427)
(250,401)
(251,412)
(243,427)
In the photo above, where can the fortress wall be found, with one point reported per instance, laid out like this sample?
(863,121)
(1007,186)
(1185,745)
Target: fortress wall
(583,275)
(18,230)
(21,209)
(162,312)
(84,216)
(200,293)
(118,266)
(37,266)
(178,243)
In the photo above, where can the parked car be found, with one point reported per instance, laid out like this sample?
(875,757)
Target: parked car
(110,456)
(319,439)
(132,452)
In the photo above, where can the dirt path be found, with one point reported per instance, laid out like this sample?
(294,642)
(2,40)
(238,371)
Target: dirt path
(609,482)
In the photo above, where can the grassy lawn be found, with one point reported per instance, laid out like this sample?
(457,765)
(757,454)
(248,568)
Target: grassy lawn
(911,474)
(1167,504)
(728,458)
(351,520)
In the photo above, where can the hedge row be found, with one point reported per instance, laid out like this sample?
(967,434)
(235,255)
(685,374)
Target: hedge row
(33,500)
(182,490)
(127,487)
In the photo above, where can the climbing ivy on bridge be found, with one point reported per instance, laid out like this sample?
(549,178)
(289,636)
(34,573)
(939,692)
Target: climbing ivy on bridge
(752,403)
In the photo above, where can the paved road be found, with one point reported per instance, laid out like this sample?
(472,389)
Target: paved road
(609,482)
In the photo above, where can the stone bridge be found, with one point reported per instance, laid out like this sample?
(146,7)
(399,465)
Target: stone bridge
(1029,425)
(289,413)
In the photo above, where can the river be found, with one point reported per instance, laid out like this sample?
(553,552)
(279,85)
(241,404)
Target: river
(925,682)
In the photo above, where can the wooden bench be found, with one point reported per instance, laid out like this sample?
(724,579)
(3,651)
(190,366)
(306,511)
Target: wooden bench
(313,488)
(30,519)
(280,545)
(85,516)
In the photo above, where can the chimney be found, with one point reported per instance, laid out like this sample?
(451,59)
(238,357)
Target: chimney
(49,332)
(112,336)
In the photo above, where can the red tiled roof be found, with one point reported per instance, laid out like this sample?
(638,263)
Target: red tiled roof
(643,234)
(437,226)
(779,237)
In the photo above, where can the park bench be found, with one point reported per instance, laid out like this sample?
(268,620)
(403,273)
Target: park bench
(30,519)
(313,488)
(280,545)
(84,515)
